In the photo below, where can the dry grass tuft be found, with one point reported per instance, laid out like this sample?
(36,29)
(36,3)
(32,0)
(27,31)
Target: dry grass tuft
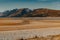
(50,37)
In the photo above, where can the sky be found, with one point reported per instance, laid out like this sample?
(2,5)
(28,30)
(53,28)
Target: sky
(32,4)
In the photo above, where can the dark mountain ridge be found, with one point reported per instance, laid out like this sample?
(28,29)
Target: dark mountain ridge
(26,12)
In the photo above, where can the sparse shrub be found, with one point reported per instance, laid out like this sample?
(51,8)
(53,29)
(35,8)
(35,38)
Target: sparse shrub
(21,39)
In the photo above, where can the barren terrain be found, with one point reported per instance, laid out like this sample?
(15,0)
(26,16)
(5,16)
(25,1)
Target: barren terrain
(28,28)
(7,24)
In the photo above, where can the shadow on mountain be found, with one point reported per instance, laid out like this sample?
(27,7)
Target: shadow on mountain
(25,12)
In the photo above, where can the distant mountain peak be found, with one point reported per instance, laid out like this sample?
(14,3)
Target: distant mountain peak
(26,12)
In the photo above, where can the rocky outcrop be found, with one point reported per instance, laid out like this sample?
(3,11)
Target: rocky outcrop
(21,13)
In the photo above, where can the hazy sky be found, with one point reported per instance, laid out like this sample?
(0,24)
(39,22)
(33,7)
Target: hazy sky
(12,4)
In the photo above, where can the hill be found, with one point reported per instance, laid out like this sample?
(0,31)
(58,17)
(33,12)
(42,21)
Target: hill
(26,12)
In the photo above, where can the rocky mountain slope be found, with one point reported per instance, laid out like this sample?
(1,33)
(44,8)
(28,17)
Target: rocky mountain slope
(25,12)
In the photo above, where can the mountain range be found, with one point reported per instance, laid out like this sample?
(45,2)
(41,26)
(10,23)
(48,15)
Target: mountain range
(26,12)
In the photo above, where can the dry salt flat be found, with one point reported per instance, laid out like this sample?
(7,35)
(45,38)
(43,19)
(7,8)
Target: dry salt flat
(30,33)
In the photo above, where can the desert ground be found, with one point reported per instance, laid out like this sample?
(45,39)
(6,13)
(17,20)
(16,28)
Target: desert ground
(28,28)
(27,23)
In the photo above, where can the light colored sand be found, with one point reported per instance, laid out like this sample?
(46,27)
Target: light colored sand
(25,34)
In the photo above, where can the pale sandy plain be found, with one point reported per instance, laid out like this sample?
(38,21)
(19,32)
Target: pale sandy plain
(17,28)
(27,23)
